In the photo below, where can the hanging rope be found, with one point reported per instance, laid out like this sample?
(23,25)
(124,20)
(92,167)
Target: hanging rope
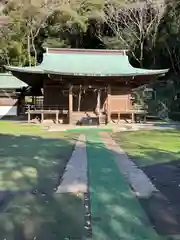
(79,97)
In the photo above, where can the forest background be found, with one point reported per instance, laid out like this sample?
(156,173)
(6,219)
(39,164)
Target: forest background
(149,29)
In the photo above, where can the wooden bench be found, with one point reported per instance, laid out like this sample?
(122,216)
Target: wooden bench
(46,109)
(42,113)
(133,114)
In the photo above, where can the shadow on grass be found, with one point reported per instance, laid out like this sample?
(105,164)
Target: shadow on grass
(30,171)
(157,154)
(163,207)
(32,162)
(116,213)
(44,215)
(168,125)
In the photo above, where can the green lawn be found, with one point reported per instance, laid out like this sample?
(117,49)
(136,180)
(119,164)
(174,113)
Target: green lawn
(150,147)
(31,157)
(17,128)
(43,217)
(116,212)
(35,159)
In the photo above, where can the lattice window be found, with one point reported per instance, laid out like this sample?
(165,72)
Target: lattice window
(38,101)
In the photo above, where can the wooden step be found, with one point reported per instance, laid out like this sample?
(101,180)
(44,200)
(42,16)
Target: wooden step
(78,116)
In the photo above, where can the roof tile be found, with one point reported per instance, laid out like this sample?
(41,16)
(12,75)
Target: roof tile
(8,81)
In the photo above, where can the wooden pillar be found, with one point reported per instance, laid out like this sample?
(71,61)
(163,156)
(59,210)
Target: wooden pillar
(70,104)
(22,104)
(57,117)
(42,117)
(119,117)
(29,115)
(18,105)
(133,117)
(109,104)
(145,116)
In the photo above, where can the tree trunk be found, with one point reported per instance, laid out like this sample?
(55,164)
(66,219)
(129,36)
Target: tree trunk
(7,58)
(171,58)
(141,54)
(35,53)
(29,49)
(34,49)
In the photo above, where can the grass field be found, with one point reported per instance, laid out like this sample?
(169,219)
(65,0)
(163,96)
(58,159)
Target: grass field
(31,157)
(157,154)
(150,147)
(33,160)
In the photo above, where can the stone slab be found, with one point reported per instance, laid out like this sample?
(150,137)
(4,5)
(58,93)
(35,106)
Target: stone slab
(137,179)
(74,179)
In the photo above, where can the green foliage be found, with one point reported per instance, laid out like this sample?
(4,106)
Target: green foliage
(152,35)
(55,43)
(70,21)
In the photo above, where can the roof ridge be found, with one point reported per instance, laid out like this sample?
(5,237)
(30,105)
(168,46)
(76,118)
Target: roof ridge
(102,65)
(86,51)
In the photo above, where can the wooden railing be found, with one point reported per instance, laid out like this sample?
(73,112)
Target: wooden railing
(133,112)
(48,109)
(62,110)
(45,107)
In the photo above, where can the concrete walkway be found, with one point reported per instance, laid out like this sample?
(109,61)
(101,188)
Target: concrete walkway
(115,211)
(138,180)
(99,167)
(74,179)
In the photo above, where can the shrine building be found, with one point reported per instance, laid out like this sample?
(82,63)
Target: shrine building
(75,84)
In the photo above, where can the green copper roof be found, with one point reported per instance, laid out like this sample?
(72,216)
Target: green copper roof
(87,63)
(36,69)
(8,81)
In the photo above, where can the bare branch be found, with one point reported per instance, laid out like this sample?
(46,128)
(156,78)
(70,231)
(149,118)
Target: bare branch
(137,21)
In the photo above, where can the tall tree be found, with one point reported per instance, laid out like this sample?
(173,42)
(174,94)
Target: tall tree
(133,24)
(31,16)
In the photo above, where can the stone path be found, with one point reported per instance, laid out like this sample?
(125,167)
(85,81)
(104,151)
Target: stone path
(115,211)
(138,180)
(109,181)
(74,179)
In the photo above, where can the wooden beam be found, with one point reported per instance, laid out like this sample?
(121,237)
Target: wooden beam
(109,103)
(70,103)
(89,86)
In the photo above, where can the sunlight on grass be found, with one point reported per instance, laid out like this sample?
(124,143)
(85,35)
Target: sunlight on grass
(18,180)
(33,160)
(31,157)
(17,128)
(150,147)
